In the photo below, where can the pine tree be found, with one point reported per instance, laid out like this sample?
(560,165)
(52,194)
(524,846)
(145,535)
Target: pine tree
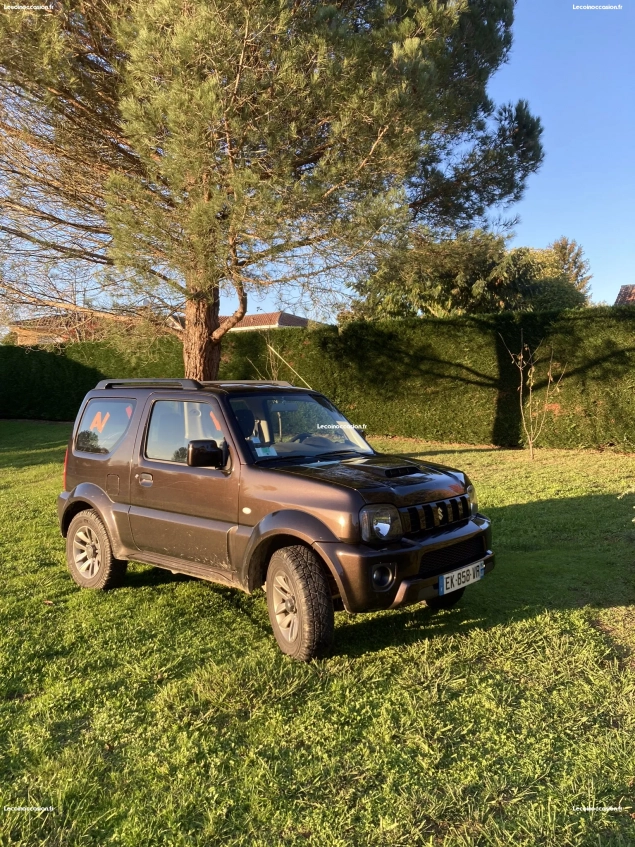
(191,148)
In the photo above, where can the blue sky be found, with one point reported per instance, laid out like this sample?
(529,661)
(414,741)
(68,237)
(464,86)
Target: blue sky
(577,70)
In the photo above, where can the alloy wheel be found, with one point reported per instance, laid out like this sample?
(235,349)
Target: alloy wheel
(87,551)
(285,607)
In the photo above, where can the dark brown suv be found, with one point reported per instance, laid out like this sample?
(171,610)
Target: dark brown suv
(256,484)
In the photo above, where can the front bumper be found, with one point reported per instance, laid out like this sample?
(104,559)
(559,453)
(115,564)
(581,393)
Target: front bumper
(417,564)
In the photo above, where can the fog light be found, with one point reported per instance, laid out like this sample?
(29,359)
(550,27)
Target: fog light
(383,577)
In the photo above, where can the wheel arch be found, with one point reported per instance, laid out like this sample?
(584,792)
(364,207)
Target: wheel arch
(261,556)
(89,496)
(286,529)
(73,509)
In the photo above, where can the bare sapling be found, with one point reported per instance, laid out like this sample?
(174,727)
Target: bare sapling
(272,364)
(533,410)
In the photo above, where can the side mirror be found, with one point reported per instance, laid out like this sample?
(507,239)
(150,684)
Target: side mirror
(205,453)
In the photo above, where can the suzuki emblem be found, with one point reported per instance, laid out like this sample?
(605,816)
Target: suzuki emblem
(440,514)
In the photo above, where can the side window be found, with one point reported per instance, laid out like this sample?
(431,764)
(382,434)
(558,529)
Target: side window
(174,423)
(166,433)
(103,424)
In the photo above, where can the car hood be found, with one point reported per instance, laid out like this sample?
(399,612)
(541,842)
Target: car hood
(385,479)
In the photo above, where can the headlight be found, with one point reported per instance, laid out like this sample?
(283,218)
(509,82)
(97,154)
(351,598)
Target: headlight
(380,523)
(471,496)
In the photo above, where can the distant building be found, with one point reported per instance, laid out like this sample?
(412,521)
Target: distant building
(53,329)
(62,329)
(626,296)
(262,320)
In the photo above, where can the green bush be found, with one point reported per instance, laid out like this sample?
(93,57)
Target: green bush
(439,379)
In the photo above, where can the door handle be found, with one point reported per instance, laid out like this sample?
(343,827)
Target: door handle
(145,479)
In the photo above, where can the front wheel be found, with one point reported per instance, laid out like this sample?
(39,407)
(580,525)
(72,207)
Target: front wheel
(89,553)
(299,603)
(445,601)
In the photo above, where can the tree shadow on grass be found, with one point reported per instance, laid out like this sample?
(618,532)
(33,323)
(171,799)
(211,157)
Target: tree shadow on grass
(25,443)
(53,456)
(554,554)
(551,555)
(432,451)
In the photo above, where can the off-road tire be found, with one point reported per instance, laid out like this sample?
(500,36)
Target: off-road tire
(304,627)
(445,601)
(101,570)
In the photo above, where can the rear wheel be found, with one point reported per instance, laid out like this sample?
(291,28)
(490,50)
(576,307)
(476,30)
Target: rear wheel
(445,601)
(299,603)
(89,553)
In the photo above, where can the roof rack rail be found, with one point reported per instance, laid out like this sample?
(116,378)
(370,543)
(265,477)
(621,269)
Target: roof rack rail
(222,382)
(171,383)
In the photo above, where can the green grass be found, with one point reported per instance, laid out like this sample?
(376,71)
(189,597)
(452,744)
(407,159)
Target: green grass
(163,713)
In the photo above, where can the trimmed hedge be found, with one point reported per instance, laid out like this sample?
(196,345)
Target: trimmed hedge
(595,403)
(43,385)
(453,380)
(438,379)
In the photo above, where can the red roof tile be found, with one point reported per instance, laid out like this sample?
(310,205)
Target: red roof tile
(264,319)
(626,296)
(260,320)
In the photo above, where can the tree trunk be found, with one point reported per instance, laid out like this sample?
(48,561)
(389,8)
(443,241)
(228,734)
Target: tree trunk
(201,355)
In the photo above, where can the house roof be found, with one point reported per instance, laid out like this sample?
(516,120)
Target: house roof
(269,319)
(47,322)
(626,296)
(261,320)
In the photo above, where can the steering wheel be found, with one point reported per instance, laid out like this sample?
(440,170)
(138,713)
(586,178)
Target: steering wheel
(301,436)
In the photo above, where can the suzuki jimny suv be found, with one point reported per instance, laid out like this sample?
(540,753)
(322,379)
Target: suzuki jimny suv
(256,484)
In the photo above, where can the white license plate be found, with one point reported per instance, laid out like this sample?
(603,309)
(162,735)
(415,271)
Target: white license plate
(459,579)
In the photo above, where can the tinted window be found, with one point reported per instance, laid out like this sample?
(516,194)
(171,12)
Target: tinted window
(174,423)
(103,424)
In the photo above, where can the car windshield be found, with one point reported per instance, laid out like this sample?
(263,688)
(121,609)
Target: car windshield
(295,425)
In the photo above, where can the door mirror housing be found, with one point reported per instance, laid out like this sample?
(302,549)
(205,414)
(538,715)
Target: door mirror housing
(205,453)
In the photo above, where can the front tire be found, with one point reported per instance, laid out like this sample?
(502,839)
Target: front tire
(299,603)
(89,555)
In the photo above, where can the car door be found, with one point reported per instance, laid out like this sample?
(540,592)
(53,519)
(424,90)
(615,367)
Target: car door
(177,510)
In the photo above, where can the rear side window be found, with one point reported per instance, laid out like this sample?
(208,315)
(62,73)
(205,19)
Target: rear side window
(103,424)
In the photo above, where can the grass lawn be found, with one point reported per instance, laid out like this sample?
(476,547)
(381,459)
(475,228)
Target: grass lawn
(163,713)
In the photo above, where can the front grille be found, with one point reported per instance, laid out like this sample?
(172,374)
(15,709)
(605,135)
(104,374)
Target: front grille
(453,556)
(430,515)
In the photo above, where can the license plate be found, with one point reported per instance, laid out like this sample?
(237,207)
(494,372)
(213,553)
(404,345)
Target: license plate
(459,579)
